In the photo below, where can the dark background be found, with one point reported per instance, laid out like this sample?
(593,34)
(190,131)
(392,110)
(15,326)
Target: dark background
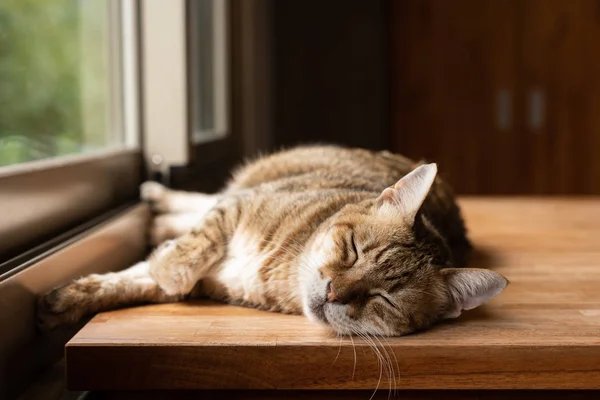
(503,94)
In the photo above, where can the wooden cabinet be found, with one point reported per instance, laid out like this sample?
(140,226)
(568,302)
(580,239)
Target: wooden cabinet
(503,94)
(560,59)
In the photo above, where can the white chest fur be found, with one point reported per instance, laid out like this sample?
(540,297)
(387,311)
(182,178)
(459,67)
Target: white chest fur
(240,273)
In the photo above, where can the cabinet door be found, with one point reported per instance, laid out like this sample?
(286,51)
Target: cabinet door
(560,56)
(453,90)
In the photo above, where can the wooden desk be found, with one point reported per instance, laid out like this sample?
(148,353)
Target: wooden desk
(542,332)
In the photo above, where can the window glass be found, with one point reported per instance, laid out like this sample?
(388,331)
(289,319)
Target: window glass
(59,78)
(208,69)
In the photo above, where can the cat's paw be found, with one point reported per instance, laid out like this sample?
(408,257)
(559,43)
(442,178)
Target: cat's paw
(61,306)
(154,194)
(173,277)
(152,191)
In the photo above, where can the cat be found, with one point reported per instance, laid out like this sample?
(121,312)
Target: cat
(360,241)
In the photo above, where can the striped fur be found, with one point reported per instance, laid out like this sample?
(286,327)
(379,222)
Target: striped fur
(351,238)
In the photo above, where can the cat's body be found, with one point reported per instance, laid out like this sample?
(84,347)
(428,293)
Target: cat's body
(326,231)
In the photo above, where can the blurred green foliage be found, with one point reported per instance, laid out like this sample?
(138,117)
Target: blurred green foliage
(41,110)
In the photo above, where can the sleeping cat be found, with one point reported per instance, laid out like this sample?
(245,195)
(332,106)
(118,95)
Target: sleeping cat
(363,242)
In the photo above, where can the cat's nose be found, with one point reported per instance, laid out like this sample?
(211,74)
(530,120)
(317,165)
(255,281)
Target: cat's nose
(331,295)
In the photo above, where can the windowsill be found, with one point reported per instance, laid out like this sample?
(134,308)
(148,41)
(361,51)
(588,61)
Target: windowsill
(541,333)
(44,199)
(24,352)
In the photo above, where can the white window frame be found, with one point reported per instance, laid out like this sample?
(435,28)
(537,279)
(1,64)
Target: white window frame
(220,74)
(167,99)
(164,85)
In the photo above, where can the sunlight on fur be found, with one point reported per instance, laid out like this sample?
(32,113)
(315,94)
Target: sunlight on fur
(370,244)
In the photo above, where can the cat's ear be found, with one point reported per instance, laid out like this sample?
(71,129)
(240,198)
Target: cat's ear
(471,287)
(409,193)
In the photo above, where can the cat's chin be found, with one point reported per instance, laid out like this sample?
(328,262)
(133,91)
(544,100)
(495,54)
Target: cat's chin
(316,318)
(326,315)
(314,296)
(314,309)
(319,316)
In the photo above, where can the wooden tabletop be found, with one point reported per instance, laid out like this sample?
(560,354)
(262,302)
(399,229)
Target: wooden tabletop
(542,332)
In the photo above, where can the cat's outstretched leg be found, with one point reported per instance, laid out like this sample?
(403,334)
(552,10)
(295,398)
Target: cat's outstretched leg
(179,264)
(95,293)
(170,274)
(165,200)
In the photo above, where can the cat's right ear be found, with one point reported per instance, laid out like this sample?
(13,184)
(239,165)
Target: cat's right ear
(408,194)
(471,287)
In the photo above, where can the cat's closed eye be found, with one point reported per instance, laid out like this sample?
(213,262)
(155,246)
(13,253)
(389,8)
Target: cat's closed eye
(353,245)
(383,297)
(349,251)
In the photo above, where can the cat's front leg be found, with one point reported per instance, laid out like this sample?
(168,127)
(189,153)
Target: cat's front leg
(173,270)
(177,265)
(68,304)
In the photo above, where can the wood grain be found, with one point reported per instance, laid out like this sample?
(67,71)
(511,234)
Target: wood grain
(543,332)
(349,395)
(450,62)
(452,59)
(559,57)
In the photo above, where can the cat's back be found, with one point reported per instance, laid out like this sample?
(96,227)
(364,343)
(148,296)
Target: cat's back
(324,167)
(318,168)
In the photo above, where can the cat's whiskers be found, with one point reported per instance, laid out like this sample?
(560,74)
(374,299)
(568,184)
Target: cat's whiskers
(383,361)
(395,360)
(339,348)
(377,353)
(354,349)
(391,371)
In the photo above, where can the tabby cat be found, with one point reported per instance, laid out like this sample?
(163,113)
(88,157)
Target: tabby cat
(363,242)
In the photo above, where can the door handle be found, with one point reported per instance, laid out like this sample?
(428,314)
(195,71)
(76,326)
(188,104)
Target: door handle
(537,109)
(503,110)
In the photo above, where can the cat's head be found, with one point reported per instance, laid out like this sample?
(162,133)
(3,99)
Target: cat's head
(384,269)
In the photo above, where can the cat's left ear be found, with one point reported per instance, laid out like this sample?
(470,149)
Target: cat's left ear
(471,287)
(409,193)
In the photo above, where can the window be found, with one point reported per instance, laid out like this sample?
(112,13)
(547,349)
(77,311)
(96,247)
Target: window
(105,73)
(78,81)
(68,117)
(60,68)
(186,81)
(206,88)
(208,69)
